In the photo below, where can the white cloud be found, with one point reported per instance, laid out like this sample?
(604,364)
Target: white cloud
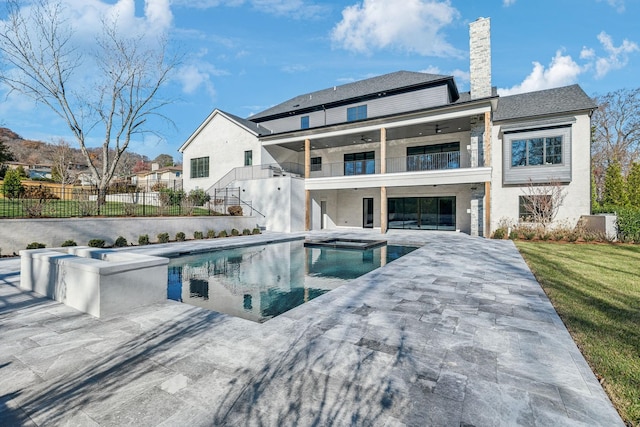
(461,75)
(292,8)
(86,17)
(198,75)
(618,5)
(507,3)
(562,71)
(617,57)
(294,68)
(380,24)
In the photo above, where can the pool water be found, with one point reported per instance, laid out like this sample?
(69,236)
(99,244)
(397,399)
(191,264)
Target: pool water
(260,282)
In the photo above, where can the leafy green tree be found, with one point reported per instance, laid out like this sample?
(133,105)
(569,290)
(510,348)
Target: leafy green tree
(633,185)
(12,187)
(164,160)
(615,193)
(21,172)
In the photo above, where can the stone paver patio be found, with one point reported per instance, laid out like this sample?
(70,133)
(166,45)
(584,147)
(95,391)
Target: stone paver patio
(457,333)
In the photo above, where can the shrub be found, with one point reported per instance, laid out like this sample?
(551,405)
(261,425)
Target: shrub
(629,224)
(180,237)
(223,233)
(12,187)
(67,243)
(235,210)
(198,235)
(163,237)
(120,242)
(256,230)
(546,236)
(143,240)
(198,197)
(159,186)
(572,237)
(170,197)
(36,245)
(500,233)
(129,209)
(246,232)
(235,232)
(211,234)
(529,234)
(513,235)
(96,243)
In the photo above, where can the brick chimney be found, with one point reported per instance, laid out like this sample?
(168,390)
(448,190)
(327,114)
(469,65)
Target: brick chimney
(480,58)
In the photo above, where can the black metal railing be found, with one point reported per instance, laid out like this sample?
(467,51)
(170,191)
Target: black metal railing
(55,201)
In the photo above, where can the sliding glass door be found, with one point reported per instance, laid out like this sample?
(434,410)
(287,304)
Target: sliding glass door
(422,213)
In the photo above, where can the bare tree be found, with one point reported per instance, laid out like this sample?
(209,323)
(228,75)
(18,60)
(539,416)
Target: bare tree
(61,163)
(616,132)
(542,202)
(42,62)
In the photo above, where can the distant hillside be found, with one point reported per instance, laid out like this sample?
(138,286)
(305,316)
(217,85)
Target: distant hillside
(42,153)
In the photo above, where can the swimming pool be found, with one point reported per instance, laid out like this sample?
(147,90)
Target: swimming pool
(260,282)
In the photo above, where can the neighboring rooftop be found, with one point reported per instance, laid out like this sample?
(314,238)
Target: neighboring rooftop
(541,103)
(385,83)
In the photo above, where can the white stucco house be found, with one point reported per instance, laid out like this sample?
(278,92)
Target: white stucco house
(402,150)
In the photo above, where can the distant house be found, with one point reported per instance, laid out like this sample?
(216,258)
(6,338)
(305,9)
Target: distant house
(168,177)
(404,150)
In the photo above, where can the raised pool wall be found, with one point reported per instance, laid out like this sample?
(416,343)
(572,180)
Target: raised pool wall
(101,282)
(16,234)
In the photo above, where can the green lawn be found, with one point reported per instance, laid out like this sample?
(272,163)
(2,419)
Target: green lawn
(595,289)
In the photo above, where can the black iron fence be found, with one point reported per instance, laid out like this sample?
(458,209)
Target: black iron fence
(55,201)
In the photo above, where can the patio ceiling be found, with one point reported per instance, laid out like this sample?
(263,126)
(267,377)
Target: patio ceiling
(345,135)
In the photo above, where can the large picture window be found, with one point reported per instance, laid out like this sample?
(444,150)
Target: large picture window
(422,213)
(536,151)
(357,113)
(360,163)
(537,155)
(200,167)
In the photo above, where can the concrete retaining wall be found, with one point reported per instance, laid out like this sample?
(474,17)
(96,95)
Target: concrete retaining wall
(16,234)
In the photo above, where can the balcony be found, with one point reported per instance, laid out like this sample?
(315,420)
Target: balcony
(417,163)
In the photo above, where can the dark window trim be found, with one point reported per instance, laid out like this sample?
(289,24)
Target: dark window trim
(199,167)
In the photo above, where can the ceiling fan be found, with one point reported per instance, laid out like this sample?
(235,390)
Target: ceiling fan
(437,128)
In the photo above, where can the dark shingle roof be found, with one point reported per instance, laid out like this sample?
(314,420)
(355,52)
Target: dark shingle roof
(541,103)
(336,94)
(257,128)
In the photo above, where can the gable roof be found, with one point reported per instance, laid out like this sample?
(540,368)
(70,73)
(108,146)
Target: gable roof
(254,128)
(393,82)
(542,103)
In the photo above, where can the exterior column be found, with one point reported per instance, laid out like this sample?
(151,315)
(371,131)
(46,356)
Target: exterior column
(383,150)
(487,163)
(383,190)
(307,193)
(383,210)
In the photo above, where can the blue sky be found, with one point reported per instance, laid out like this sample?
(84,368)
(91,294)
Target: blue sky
(243,56)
